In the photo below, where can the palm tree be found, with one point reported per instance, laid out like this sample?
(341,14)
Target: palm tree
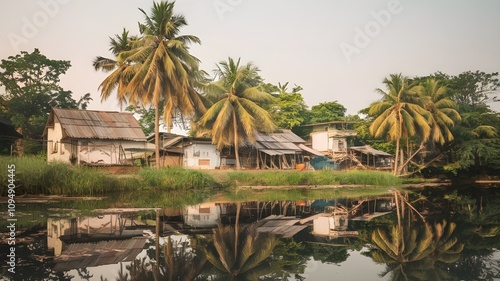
(121,72)
(441,108)
(399,115)
(164,67)
(236,116)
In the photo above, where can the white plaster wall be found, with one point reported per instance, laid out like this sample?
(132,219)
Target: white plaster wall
(57,150)
(193,153)
(105,151)
(320,141)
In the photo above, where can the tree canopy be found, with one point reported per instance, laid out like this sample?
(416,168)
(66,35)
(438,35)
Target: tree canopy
(236,116)
(32,89)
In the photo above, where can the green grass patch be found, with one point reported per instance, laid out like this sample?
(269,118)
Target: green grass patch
(176,178)
(33,175)
(323,177)
(368,178)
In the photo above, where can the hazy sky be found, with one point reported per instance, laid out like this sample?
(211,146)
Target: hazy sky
(336,50)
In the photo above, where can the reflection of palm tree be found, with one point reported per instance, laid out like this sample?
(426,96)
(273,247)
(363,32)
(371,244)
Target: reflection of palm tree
(412,248)
(253,249)
(447,249)
(181,261)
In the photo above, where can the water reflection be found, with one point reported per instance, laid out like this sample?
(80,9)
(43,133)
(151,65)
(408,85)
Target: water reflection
(426,235)
(414,248)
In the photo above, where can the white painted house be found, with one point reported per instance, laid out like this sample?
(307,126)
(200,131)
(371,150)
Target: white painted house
(200,153)
(93,137)
(330,137)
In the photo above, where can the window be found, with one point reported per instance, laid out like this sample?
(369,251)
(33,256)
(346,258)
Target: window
(55,147)
(203,162)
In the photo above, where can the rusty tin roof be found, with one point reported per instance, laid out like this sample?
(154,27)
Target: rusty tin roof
(92,124)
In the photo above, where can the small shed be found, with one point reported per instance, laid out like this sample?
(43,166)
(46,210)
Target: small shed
(371,158)
(93,137)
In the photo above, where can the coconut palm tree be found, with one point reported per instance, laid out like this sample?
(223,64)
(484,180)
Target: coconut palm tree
(399,115)
(121,72)
(441,108)
(164,67)
(236,116)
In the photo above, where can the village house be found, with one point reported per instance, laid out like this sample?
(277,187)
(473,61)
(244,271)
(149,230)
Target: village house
(8,135)
(92,137)
(331,138)
(187,152)
(280,150)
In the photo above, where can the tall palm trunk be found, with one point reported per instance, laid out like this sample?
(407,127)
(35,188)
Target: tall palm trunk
(157,136)
(396,158)
(235,131)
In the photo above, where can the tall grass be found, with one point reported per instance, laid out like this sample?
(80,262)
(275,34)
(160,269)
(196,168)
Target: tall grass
(33,175)
(176,178)
(368,178)
(323,177)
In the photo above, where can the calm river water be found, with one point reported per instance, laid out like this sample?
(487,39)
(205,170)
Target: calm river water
(439,233)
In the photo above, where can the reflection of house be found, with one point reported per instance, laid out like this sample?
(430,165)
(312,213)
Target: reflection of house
(333,222)
(203,215)
(281,150)
(84,255)
(109,225)
(93,137)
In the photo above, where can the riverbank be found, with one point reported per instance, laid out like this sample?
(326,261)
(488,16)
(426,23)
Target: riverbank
(34,176)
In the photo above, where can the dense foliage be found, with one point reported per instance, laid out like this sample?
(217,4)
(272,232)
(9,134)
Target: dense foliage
(31,82)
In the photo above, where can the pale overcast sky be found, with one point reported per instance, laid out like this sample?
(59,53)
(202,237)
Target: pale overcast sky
(336,50)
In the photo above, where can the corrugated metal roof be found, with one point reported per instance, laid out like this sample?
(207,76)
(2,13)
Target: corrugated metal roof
(310,150)
(89,124)
(82,255)
(369,150)
(286,140)
(273,152)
